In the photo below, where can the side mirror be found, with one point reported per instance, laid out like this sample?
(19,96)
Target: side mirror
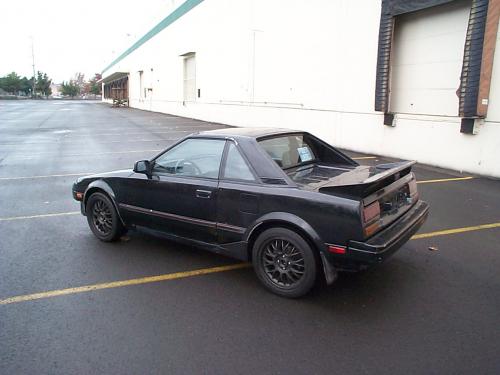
(142,166)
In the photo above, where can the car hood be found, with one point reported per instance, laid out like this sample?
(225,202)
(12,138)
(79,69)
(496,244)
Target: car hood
(119,173)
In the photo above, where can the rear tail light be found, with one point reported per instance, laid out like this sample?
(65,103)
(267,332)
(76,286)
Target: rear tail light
(371,212)
(412,187)
(371,216)
(371,229)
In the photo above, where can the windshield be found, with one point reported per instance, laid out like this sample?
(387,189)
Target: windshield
(289,150)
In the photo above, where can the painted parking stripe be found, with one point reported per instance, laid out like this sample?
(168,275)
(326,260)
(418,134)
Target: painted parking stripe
(12,218)
(47,176)
(455,231)
(84,140)
(121,134)
(445,180)
(199,272)
(118,284)
(32,156)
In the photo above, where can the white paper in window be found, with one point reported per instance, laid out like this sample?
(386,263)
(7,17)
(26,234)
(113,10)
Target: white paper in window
(304,153)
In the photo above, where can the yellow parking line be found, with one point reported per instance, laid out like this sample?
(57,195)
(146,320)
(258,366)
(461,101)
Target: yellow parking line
(38,216)
(117,284)
(456,230)
(47,176)
(199,272)
(364,157)
(445,180)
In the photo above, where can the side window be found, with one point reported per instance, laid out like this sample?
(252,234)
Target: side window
(193,157)
(236,167)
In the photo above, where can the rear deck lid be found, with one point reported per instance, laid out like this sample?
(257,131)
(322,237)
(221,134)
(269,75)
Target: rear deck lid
(385,191)
(349,181)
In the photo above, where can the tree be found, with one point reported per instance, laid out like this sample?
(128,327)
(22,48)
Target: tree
(43,83)
(95,88)
(26,85)
(79,80)
(11,83)
(70,89)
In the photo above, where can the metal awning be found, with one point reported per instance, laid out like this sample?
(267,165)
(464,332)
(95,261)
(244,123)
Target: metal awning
(113,77)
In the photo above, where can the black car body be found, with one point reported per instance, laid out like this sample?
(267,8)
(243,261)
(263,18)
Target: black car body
(222,189)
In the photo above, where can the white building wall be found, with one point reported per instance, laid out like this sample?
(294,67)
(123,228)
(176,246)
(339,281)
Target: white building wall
(305,65)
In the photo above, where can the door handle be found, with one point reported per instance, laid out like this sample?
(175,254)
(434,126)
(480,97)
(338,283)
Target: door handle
(203,194)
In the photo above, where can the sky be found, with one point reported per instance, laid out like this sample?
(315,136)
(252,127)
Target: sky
(72,36)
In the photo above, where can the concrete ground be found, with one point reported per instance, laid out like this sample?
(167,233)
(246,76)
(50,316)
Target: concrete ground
(422,312)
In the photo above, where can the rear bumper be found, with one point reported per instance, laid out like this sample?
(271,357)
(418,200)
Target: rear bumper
(387,242)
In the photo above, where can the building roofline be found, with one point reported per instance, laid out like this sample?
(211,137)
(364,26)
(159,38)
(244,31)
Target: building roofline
(167,21)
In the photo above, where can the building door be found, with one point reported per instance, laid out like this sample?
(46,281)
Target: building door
(427,59)
(190,78)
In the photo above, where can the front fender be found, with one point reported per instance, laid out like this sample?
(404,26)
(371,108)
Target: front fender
(99,185)
(102,186)
(286,218)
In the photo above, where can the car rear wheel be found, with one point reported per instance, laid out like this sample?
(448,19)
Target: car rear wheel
(102,218)
(284,262)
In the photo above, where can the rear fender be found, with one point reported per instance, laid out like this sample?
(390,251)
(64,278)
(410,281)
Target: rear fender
(329,272)
(286,218)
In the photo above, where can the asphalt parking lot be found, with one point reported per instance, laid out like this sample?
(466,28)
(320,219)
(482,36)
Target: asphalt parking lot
(70,304)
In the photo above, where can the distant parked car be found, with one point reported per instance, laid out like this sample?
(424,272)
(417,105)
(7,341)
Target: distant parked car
(295,206)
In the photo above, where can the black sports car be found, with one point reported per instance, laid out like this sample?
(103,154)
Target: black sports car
(295,206)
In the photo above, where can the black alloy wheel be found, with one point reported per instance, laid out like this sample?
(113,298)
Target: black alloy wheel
(284,262)
(102,218)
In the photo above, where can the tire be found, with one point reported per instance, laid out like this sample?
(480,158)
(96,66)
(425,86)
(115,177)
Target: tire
(102,218)
(284,262)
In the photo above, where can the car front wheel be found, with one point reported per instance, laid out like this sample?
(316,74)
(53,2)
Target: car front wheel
(284,262)
(102,218)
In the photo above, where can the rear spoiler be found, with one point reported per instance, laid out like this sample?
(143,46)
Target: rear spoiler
(370,185)
(390,169)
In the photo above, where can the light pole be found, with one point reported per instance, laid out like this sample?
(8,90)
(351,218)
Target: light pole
(33,65)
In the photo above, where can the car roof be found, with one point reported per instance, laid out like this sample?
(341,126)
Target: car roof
(247,132)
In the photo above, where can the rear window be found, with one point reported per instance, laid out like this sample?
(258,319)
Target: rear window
(289,150)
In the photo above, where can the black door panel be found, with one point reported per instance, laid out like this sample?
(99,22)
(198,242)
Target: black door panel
(181,206)
(189,206)
(238,207)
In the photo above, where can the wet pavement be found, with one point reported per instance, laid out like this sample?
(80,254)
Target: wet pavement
(422,312)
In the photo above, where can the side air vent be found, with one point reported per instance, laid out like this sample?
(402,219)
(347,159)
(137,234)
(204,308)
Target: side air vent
(273,181)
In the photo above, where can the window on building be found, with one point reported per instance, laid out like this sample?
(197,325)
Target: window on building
(190,77)
(427,58)
(236,167)
(141,84)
